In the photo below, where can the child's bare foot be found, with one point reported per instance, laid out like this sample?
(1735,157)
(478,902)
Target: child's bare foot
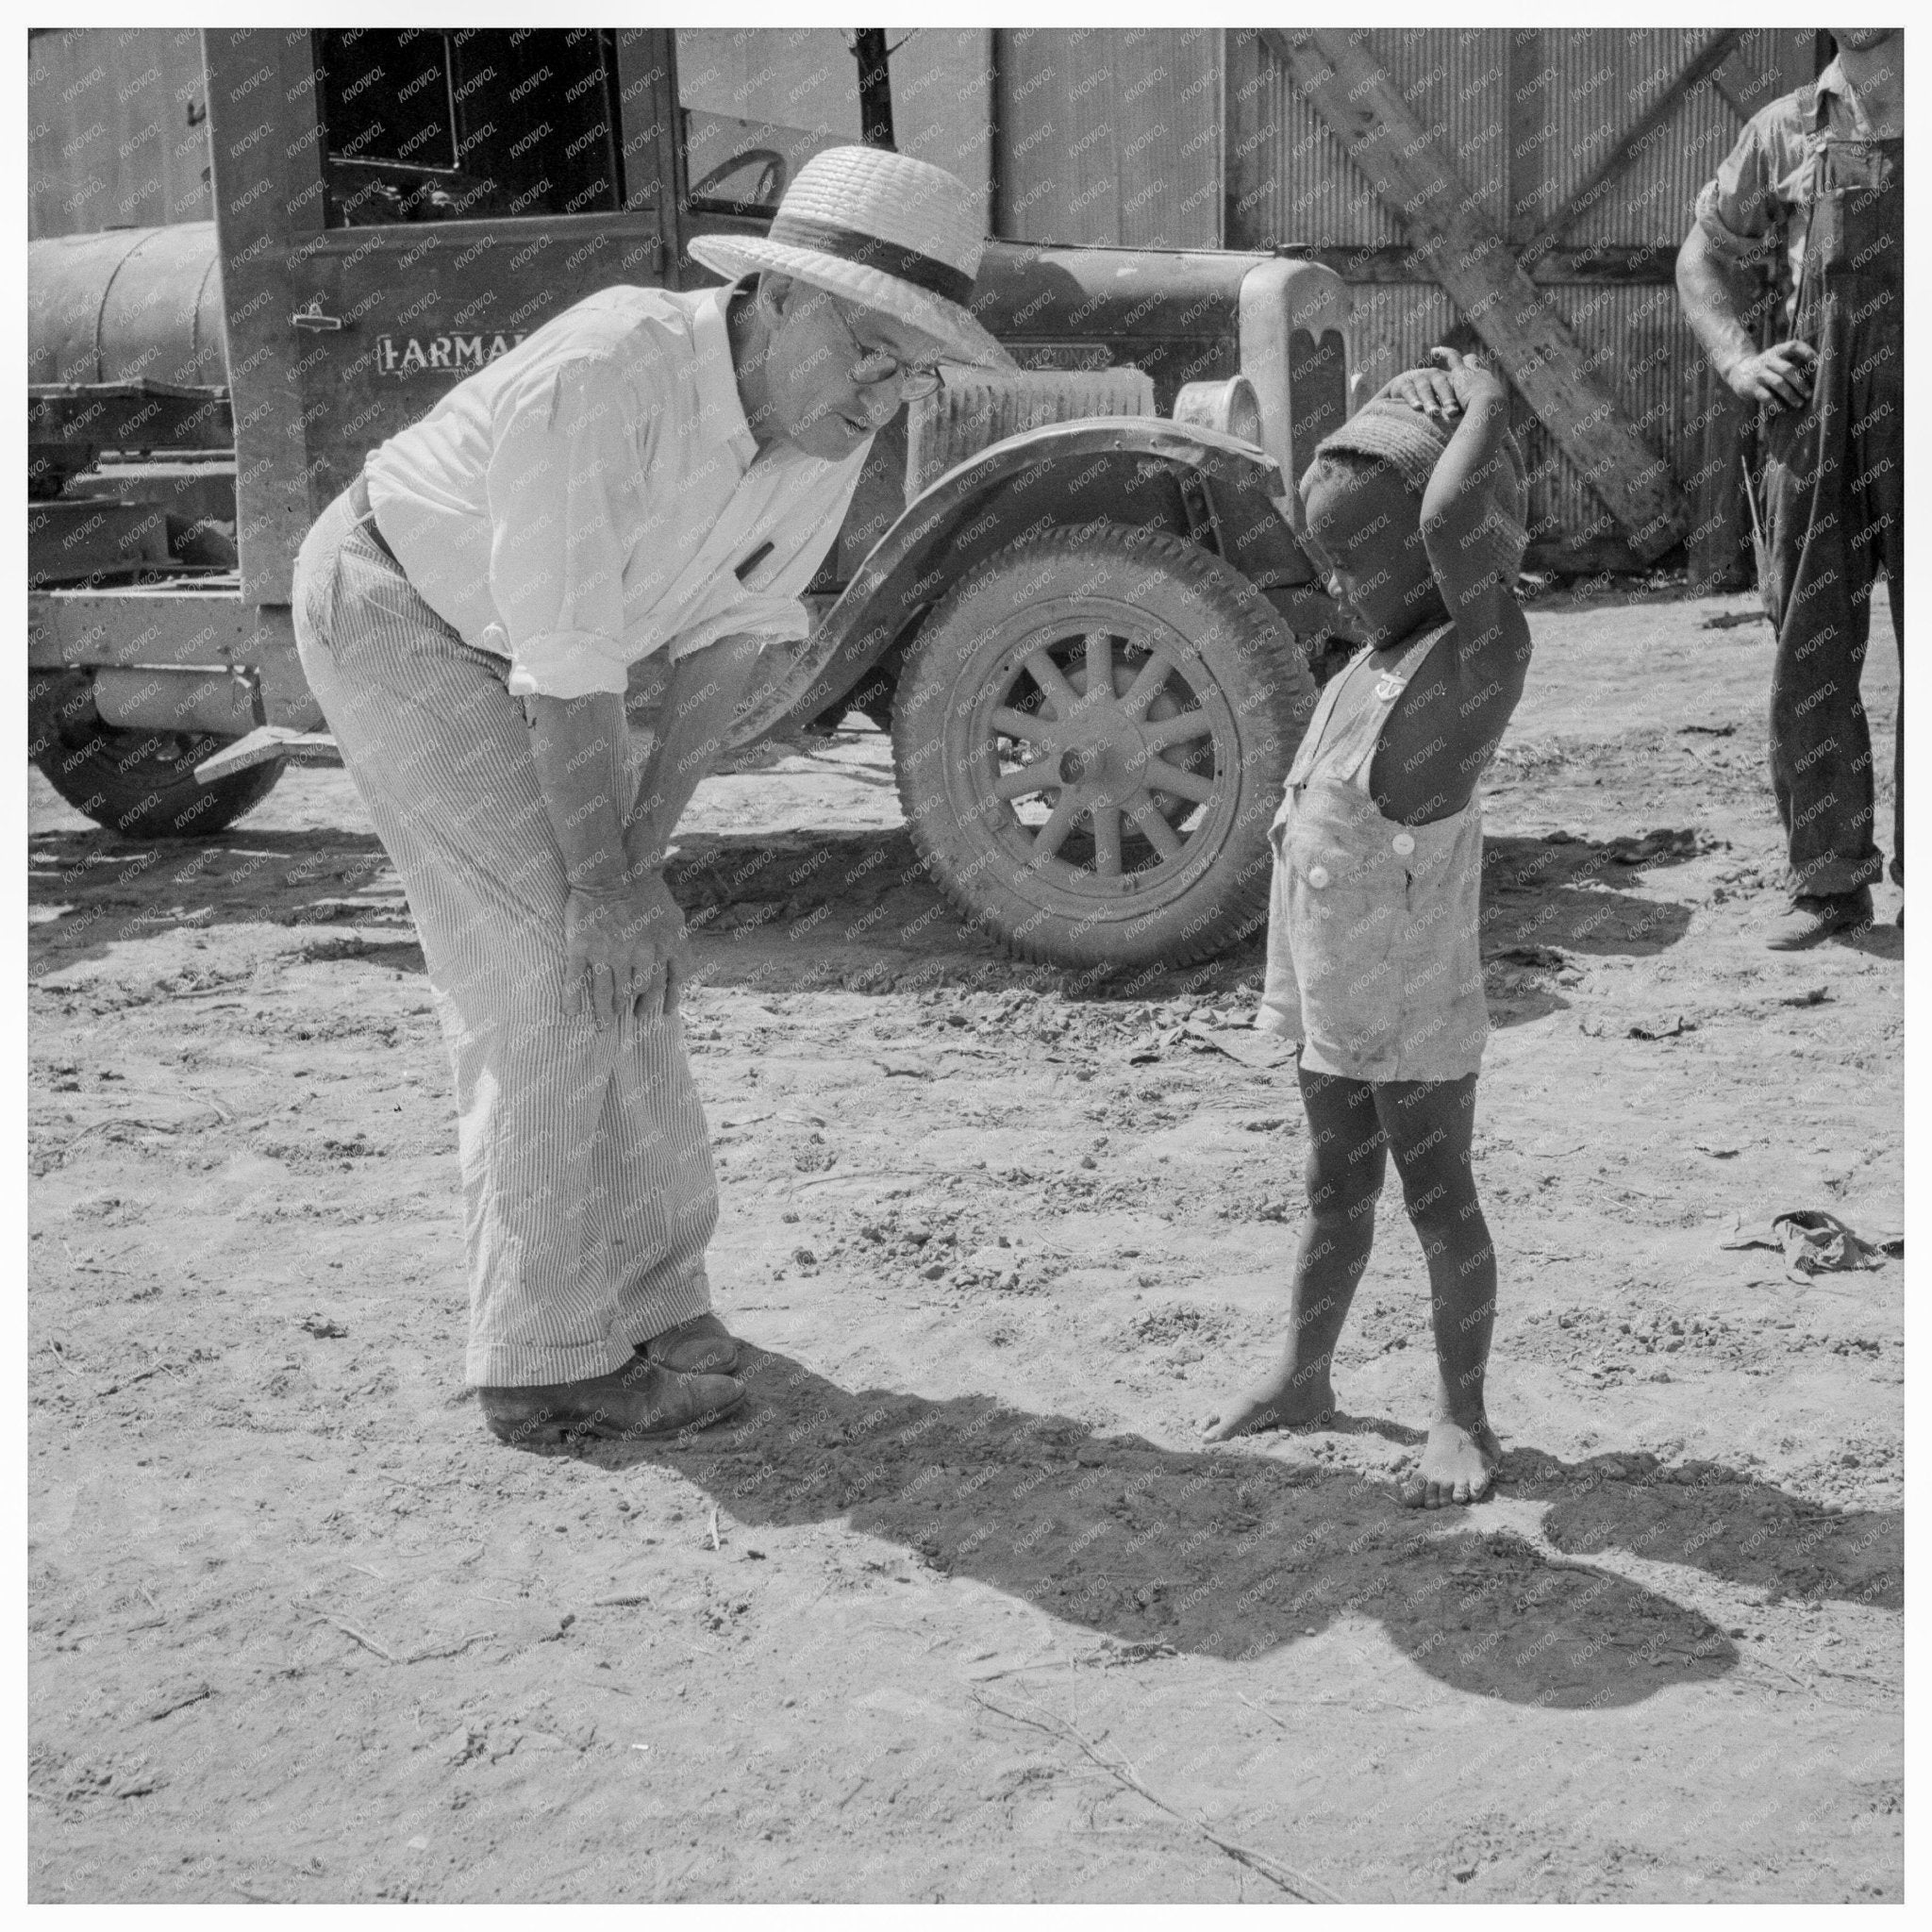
(1459,1465)
(1280,1401)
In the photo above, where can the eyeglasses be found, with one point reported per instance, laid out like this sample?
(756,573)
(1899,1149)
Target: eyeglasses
(876,366)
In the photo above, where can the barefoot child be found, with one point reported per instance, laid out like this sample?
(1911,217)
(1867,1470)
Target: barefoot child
(1417,506)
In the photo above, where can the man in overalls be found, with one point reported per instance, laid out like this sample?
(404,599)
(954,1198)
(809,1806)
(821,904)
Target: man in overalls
(1815,190)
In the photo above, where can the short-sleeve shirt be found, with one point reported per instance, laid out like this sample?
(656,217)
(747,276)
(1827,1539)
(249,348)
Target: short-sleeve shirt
(595,495)
(1757,208)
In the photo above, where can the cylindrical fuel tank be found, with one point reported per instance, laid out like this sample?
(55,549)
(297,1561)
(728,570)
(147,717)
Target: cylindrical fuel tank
(128,304)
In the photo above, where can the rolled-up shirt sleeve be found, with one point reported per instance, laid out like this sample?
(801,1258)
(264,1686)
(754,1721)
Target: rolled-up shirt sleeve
(1742,211)
(775,620)
(568,448)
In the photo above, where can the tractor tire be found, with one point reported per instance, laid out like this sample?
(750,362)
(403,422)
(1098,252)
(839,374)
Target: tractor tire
(1090,734)
(139,784)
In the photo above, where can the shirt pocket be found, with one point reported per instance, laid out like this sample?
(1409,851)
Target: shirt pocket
(760,568)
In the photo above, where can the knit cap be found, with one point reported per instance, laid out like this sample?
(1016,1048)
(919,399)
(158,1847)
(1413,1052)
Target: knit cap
(1412,444)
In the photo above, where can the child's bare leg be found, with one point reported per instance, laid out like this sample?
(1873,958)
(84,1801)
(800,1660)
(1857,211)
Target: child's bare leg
(1430,1124)
(1346,1161)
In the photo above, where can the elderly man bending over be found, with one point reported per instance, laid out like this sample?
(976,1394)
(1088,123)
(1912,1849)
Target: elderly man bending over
(649,473)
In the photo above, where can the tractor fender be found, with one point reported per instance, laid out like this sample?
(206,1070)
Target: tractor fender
(1144,471)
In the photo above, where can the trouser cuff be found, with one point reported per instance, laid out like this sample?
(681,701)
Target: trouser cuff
(666,1303)
(1833,877)
(507,1366)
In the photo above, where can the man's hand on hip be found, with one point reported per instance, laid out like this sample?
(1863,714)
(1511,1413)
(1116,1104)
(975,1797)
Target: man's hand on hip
(1779,375)
(623,947)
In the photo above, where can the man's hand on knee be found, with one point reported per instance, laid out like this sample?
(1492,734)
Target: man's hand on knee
(623,947)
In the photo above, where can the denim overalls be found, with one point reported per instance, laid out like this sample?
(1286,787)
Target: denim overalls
(1834,492)
(1373,952)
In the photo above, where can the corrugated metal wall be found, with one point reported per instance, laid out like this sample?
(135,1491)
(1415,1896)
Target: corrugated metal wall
(1110,137)
(1602,82)
(1644,350)
(1301,186)
(117,129)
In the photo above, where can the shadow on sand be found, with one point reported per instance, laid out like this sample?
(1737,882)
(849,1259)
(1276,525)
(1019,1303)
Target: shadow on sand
(1232,1554)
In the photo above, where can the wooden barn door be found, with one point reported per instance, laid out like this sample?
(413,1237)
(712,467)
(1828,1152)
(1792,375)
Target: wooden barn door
(1526,191)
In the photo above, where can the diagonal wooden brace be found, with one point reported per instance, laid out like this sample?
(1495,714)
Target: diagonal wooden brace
(1465,252)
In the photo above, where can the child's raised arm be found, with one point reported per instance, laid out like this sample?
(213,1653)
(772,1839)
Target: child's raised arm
(1469,485)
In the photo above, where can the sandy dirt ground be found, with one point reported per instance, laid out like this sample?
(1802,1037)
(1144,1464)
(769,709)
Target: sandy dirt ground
(959,1606)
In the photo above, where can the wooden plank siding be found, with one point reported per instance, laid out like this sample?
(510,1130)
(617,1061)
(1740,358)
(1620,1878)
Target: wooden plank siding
(117,129)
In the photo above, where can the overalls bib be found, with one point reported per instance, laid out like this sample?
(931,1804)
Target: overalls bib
(1374,963)
(1834,489)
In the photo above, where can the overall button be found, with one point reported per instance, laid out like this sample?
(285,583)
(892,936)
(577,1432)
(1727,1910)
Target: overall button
(1318,876)
(1404,843)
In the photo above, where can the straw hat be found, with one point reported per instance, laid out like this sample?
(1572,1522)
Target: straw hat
(1412,444)
(894,234)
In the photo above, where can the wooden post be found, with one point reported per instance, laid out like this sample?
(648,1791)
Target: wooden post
(1529,75)
(1249,145)
(875,86)
(266,162)
(1466,254)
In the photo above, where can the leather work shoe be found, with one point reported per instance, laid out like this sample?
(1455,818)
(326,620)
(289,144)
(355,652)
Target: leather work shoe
(1815,917)
(637,1401)
(701,1346)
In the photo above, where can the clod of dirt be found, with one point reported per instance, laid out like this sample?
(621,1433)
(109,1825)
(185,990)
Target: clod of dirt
(1662,1029)
(1531,956)
(1812,996)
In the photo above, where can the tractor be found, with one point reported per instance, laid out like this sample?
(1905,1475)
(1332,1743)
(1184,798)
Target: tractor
(1075,594)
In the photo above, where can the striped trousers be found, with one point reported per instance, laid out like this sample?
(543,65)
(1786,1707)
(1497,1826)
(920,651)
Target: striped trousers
(587,1188)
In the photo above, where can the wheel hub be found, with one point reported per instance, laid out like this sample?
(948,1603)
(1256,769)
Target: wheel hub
(1106,766)
(1117,755)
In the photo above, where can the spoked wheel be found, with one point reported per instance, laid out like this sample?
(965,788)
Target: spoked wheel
(1091,735)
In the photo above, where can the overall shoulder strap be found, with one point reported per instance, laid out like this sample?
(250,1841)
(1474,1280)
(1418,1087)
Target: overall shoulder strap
(1364,730)
(1317,728)
(1411,659)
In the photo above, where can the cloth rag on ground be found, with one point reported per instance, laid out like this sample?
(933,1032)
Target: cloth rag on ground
(1815,1242)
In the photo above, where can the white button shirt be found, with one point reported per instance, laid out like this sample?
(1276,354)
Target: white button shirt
(592,495)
